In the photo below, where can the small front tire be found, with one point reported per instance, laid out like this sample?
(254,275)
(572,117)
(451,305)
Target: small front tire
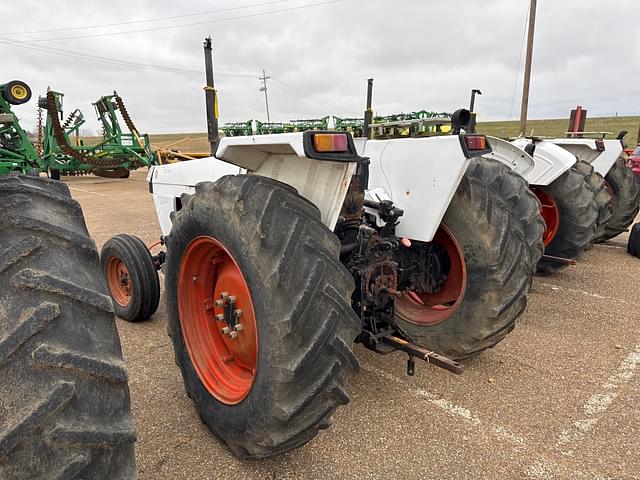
(131,277)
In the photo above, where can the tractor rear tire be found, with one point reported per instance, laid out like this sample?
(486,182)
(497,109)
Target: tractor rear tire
(132,278)
(603,198)
(577,220)
(499,259)
(633,247)
(522,203)
(626,192)
(64,403)
(297,297)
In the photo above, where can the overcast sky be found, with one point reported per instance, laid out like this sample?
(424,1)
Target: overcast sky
(423,55)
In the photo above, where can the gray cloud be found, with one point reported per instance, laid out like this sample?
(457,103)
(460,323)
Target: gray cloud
(423,55)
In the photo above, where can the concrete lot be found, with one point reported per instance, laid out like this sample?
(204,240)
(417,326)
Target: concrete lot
(559,398)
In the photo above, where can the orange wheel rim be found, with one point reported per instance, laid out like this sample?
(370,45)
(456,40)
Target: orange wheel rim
(119,281)
(614,198)
(422,308)
(550,214)
(217,319)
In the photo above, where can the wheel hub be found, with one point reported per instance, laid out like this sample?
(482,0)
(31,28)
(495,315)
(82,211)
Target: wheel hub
(217,320)
(119,281)
(439,294)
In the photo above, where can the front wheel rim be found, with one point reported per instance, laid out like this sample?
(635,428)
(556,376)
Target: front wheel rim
(119,281)
(434,308)
(209,279)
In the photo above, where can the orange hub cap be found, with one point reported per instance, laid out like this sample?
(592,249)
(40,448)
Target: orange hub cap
(119,281)
(217,320)
(550,214)
(423,308)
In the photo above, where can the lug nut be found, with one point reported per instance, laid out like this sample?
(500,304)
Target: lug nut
(233,335)
(225,330)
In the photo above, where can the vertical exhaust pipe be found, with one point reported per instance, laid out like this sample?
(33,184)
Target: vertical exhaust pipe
(368,113)
(211,97)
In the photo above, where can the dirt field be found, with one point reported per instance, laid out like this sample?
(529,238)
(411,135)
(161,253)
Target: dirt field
(559,398)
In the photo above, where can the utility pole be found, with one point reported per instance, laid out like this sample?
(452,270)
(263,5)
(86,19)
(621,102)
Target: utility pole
(263,88)
(527,68)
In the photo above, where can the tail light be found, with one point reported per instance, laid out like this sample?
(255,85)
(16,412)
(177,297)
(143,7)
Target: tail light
(476,142)
(330,142)
(600,145)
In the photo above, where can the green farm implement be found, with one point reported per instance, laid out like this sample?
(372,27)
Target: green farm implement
(59,148)
(115,154)
(419,123)
(17,154)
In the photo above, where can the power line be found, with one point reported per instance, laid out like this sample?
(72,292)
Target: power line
(182,25)
(147,20)
(114,61)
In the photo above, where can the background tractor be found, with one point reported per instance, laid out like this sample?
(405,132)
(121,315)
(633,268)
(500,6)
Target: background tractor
(569,193)
(606,157)
(285,249)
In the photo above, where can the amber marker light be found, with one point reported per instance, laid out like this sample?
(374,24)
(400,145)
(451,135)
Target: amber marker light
(330,142)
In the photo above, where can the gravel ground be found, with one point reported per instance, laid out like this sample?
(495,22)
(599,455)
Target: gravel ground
(559,398)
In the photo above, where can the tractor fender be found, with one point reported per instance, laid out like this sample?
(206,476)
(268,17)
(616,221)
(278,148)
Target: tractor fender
(168,182)
(585,149)
(550,161)
(282,157)
(420,175)
(510,155)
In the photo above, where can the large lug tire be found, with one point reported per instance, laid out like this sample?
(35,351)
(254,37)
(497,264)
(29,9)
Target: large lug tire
(603,198)
(570,209)
(65,406)
(132,278)
(270,251)
(487,228)
(633,247)
(625,189)
(522,203)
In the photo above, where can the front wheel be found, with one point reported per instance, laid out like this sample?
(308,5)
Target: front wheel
(259,313)
(480,263)
(131,277)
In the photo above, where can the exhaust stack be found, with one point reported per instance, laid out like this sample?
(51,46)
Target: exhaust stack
(211,98)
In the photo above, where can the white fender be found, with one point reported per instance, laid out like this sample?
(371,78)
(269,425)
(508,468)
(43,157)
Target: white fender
(550,161)
(585,149)
(513,157)
(420,175)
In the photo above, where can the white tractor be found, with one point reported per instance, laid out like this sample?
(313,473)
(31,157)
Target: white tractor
(285,249)
(608,160)
(569,193)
